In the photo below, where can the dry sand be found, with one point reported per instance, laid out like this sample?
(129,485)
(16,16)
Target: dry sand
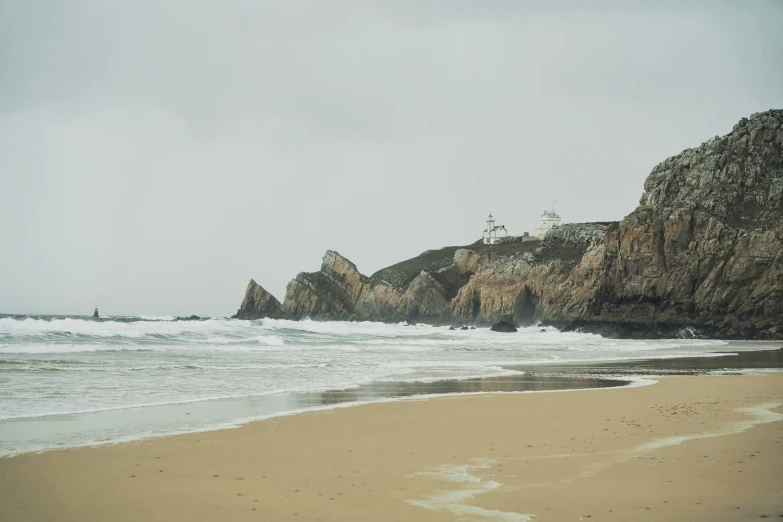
(688,448)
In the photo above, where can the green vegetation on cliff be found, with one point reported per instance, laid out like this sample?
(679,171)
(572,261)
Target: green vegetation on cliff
(401,274)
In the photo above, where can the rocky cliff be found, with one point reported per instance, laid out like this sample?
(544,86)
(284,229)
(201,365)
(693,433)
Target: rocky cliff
(704,246)
(701,255)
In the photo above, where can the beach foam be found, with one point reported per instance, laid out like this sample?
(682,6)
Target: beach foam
(67,365)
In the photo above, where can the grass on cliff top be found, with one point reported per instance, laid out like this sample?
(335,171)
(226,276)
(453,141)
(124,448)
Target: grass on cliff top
(401,274)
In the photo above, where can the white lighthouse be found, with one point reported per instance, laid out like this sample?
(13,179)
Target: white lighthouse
(493,232)
(549,219)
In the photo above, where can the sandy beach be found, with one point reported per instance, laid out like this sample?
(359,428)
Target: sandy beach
(686,448)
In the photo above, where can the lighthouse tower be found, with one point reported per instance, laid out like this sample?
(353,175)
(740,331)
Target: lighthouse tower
(493,232)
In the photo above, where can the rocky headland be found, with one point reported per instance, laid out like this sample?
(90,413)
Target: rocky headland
(702,255)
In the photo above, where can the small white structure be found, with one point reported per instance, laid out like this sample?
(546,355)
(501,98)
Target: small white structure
(493,233)
(549,219)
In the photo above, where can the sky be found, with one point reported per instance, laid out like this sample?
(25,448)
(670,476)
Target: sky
(156,155)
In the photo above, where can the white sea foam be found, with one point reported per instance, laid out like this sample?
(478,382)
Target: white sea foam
(64,365)
(464,486)
(132,329)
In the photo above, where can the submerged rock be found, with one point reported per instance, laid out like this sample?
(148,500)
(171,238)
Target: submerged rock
(503,326)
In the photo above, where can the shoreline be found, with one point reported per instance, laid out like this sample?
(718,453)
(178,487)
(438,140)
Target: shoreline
(488,455)
(236,412)
(288,404)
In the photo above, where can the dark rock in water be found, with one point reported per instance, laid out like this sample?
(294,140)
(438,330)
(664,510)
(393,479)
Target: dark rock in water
(464,328)
(636,330)
(542,330)
(191,318)
(473,327)
(503,326)
(452,328)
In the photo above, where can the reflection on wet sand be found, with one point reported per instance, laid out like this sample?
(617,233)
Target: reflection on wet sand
(763,359)
(550,377)
(507,383)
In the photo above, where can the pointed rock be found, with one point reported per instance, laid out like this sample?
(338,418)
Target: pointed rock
(258,303)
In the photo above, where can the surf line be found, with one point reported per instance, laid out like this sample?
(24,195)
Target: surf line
(456,501)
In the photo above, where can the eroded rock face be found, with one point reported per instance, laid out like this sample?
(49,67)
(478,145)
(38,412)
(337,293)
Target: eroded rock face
(557,280)
(701,255)
(258,303)
(425,299)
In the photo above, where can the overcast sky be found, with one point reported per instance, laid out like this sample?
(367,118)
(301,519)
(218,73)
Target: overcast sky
(156,155)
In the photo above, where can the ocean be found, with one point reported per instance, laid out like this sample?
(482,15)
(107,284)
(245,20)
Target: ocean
(72,381)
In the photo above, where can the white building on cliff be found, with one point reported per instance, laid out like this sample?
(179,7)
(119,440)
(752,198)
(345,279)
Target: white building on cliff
(549,219)
(493,232)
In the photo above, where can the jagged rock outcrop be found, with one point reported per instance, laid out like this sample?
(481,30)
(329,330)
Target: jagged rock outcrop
(258,303)
(701,255)
(332,291)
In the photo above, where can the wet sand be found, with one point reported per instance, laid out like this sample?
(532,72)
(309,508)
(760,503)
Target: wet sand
(687,448)
(718,362)
(88,429)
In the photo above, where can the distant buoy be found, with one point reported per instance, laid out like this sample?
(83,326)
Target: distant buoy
(95,313)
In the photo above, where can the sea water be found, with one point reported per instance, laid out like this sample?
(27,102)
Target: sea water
(70,381)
